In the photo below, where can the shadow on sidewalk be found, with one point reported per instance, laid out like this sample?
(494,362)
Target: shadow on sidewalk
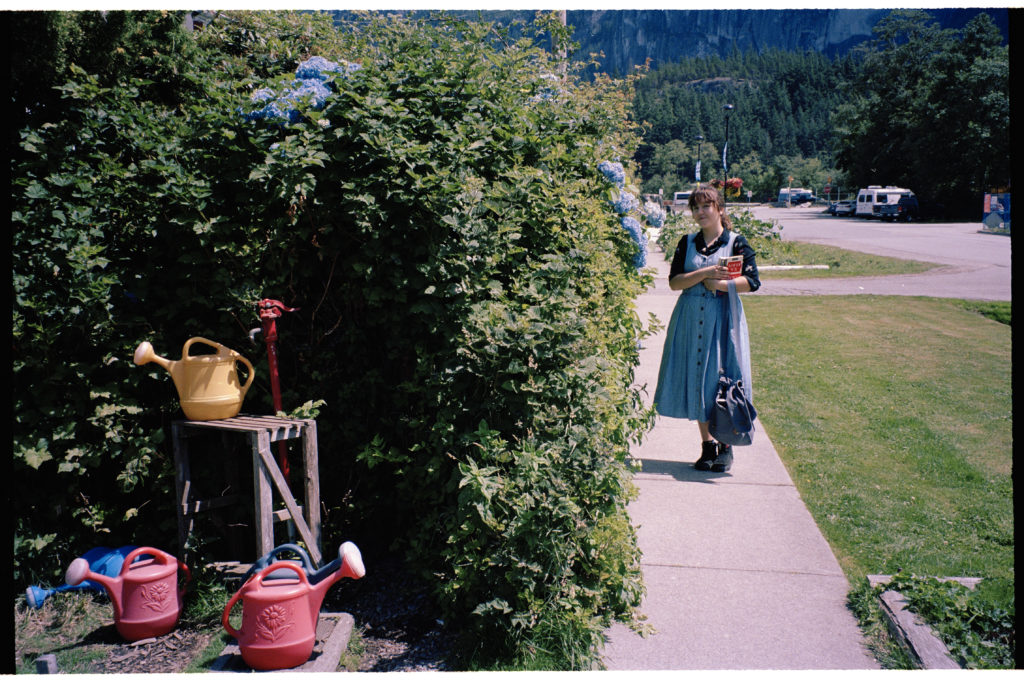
(681,471)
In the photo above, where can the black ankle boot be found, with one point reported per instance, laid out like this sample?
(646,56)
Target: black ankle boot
(708,453)
(724,459)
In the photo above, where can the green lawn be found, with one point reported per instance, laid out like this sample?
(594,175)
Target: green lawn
(842,263)
(893,416)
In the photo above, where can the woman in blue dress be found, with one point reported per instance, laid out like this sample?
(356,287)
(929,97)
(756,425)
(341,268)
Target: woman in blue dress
(690,363)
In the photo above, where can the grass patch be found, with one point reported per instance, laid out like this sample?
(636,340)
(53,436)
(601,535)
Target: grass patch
(841,262)
(75,628)
(353,654)
(1000,311)
(893,416)
(895,427)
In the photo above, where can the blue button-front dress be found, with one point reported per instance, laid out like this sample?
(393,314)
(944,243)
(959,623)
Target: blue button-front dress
(690,363)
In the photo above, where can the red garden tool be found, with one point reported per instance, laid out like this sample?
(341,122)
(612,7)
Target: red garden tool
(269,311)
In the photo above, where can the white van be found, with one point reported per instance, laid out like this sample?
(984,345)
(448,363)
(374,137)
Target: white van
(873,196)
(680,202)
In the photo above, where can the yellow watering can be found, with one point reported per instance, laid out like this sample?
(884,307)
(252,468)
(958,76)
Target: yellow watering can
(208,385)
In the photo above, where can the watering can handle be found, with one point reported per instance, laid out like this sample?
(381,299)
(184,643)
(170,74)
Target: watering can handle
(225,617)
(252,374)
(303,556)
(219,346)
(162,557)
(188,344)
(182,566)
(272,555)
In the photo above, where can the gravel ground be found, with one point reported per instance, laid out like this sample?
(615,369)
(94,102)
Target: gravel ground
(400,629)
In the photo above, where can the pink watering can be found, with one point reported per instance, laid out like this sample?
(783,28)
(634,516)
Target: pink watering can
(145,594)
(280,614)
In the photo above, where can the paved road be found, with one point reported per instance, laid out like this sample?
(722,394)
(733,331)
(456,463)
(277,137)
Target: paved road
(974,265)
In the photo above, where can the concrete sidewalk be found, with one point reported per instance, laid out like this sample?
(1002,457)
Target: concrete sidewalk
(738,575)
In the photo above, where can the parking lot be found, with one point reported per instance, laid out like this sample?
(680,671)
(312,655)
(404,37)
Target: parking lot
(976,264)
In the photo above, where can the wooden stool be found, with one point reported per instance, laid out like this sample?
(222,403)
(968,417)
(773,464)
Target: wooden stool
(262,431)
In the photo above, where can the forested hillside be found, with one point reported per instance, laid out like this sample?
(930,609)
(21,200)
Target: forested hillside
(918,106)
(783,104)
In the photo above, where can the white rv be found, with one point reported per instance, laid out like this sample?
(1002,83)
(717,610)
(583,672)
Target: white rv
(873,196)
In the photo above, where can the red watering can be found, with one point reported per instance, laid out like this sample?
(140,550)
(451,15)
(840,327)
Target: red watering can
(279,615)
(145,594)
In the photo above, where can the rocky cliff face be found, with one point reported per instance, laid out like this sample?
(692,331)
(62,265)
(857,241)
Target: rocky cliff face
(629,37)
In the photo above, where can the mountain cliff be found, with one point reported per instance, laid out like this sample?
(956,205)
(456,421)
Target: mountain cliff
(630,37)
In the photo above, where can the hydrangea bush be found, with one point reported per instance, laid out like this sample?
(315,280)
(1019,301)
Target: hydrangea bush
(309,85)
(466,311)
(654,214)
(624,203)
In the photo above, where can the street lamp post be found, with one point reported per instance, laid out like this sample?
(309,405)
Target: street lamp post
(727,108)
(700,141)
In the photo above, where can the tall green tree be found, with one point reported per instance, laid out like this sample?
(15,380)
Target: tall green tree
(930,111)
(149,45)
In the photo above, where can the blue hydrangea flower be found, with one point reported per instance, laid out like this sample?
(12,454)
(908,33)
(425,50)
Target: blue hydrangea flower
(310,77)
(613,172)
(636,231)
(548,91)
(262,95)
(308,87)
(625,203)
(632,225)
(317,68)
(655,214)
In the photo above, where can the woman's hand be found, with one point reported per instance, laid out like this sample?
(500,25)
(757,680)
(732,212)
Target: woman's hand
(709,276)
(713,275)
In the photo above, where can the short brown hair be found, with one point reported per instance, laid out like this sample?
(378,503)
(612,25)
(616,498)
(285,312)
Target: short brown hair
(709,195)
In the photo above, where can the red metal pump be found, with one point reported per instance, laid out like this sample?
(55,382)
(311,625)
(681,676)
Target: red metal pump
(269,311)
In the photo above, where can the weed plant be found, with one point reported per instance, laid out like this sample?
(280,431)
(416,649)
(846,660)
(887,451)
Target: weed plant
(976,625)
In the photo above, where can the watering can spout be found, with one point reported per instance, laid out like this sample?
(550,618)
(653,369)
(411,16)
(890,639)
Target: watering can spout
(349,564)
(79,571)
(145,353)
(351,561)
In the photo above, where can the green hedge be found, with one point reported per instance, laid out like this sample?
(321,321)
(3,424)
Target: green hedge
(466,309)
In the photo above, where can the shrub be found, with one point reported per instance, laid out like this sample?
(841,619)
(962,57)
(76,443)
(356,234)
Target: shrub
(466,309)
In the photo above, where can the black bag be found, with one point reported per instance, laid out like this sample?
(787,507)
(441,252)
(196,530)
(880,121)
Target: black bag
(732,417)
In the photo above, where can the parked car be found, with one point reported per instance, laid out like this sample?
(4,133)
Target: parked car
(844,207)
(796,195)
(905,209)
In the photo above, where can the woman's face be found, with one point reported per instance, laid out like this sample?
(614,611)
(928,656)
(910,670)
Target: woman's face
(706,213)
